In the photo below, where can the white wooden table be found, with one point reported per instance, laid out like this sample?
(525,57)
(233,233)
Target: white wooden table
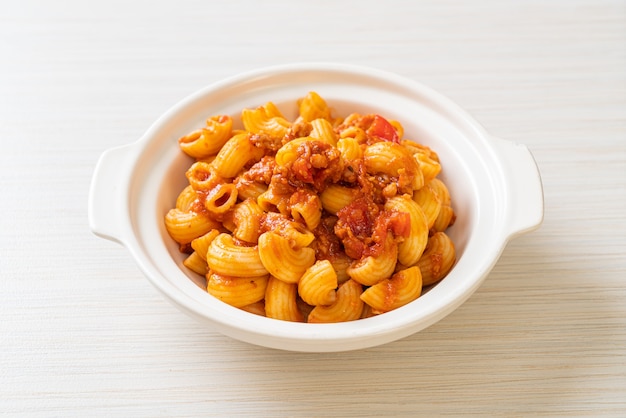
(83,333)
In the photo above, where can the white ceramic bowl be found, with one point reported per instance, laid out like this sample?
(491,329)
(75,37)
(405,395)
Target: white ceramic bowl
(495,186)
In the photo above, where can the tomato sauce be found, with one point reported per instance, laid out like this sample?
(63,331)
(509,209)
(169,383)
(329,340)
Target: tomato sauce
(362,227)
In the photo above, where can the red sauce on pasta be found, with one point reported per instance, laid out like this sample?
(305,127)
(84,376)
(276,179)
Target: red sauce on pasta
(327,245)
(316,165)
(362,227)
(272,221)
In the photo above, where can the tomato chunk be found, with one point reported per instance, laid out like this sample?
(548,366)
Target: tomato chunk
(381,128)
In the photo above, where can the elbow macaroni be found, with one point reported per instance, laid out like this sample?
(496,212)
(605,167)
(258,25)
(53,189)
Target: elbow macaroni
(318,283)
(208,140)
(403,287)
(281,301)
(410,250)
(315,219)
(372,269)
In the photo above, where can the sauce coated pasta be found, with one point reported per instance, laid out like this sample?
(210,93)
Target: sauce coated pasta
(317,219)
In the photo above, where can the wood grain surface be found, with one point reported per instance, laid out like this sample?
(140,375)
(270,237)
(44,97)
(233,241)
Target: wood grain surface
(83,333)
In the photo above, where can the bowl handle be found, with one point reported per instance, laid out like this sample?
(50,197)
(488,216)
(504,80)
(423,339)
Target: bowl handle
(108,194)
(524,189)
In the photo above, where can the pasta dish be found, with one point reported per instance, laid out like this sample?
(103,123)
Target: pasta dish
(316,219)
